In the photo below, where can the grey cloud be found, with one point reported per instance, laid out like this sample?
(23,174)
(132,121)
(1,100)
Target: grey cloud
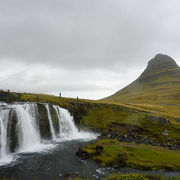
(96,36)
(88,33)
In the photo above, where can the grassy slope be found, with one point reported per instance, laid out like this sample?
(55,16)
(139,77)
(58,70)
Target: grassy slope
(157,90)
(158,87)
(139,156)
(119,176)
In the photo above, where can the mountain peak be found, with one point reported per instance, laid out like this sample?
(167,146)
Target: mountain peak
(159,62)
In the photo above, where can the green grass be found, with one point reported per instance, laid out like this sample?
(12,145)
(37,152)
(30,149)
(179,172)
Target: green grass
(103,116)
(139,156)
(119,176)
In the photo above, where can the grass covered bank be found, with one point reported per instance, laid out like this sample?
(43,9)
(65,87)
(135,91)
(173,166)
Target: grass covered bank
(113,153)
(119,176)
(137,177)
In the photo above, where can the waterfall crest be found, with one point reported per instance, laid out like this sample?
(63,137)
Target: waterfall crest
(20,129)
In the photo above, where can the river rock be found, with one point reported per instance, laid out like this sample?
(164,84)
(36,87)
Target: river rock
(82,154)
(99,150)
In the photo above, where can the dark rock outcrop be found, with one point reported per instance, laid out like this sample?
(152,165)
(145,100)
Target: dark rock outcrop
(43,121)
(159,62)
(12,131)
(82,154)
(7,96)
(99,150)
(77,110)
(85,155)
(121,159)
(134,134)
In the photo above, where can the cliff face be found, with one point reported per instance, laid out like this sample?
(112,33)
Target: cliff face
(159,84)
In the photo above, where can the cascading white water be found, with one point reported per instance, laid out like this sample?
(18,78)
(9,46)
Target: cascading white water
(5,157)
(28,131)
(50,123)
(29,134)
(67,128)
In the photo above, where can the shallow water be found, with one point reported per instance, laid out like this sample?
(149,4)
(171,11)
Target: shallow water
(59,160)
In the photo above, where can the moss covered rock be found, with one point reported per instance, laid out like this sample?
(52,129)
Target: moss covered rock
(121,159)
(43,121)
(12,131)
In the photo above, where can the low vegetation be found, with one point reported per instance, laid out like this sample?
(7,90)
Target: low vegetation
(138,177)
(116,154)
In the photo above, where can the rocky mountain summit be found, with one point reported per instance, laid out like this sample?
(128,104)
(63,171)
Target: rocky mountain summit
(160,63)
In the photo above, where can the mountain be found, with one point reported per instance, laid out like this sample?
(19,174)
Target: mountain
(158,84)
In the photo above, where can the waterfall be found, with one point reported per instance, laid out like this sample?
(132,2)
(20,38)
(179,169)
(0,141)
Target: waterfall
(67,128)
(4,151)
(29,134)
(50,123)
(20,129)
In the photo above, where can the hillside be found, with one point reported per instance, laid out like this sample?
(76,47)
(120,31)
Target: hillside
(158,84)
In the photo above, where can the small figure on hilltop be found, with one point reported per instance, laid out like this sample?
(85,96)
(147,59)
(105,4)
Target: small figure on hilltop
(77,98)
(60,95)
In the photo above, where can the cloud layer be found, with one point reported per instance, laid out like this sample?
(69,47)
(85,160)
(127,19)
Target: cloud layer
(85,48)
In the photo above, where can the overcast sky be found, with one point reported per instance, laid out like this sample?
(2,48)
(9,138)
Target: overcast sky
(84,48)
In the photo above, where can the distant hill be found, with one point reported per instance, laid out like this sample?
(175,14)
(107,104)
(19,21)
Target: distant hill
(158,84)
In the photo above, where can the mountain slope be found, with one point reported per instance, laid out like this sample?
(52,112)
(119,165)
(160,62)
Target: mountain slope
(158,84)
